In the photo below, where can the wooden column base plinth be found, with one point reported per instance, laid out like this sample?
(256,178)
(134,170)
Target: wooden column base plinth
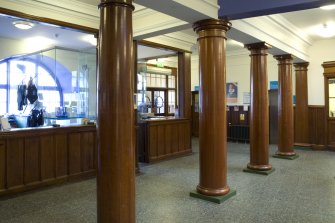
(261,172)
(286,157)
(214,199)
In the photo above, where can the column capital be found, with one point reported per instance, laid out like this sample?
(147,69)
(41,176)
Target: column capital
(284,57)
(124,3)
(301,66)
(211,24)
(257,46)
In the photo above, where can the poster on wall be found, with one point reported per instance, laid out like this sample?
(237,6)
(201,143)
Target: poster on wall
(231,92)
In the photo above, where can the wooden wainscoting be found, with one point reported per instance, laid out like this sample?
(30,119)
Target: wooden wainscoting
(38,157)
(317,126)
(165,139)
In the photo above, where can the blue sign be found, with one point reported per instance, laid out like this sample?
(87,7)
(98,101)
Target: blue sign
(196,88)
(273,85)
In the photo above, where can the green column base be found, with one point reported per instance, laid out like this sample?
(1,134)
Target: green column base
(285,157)
(214,199)
(306,148)
(262,172)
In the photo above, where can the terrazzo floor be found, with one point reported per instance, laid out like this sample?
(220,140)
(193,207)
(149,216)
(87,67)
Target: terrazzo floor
(301,190)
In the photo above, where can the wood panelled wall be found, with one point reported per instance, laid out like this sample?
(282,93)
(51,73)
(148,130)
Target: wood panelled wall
(317,127)
(164,139)
(34,158)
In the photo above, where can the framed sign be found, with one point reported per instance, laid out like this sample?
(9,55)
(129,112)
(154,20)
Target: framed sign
(231,92)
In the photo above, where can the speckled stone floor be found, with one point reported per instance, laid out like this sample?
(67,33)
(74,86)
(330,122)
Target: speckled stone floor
(302,190)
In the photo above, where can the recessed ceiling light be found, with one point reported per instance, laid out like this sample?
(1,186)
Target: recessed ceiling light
(325,30)
(23,24)
(328,7)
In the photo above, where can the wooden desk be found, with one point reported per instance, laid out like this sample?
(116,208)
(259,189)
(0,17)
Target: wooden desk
(162,139)
(36,157)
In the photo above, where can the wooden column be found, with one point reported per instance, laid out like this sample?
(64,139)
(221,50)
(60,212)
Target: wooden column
(259,115)
(137,128)
(285,106)
(116,162)
(212,114)
(184,84)
(301,134)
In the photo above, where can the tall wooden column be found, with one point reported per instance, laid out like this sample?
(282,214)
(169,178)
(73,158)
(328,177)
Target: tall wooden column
(116,161)
(285,107)
(301,134)
(184,84)
(259,116)
(212,113)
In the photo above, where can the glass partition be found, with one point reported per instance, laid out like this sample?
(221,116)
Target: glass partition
(59,82)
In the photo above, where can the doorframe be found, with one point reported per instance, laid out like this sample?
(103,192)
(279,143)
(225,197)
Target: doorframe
(329,72)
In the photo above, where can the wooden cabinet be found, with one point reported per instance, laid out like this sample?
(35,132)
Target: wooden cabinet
(164,139)
(32,158)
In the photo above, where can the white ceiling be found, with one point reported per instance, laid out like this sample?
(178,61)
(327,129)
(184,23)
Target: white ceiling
(306,20)
(58,36)
(303,21)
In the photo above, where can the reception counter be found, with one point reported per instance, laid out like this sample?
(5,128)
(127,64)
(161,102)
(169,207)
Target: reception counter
(35,157)
(163,138)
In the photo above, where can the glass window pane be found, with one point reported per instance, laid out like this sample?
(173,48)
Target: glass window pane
(51,100)
(3,104)
(171,101)
(172,83)
(21,71)
(3,73)
(45,79)
(331,107)
(159,102)
(331,84)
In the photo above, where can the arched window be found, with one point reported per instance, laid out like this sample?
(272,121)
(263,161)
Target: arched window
(15,72)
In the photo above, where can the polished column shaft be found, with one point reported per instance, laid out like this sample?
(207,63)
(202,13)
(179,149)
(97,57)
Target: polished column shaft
(212,113)
(285,106)
(259,115)
(301,134)
(116,162)
(184,84)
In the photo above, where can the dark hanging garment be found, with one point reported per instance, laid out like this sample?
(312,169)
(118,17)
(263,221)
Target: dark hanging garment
(21,96)
(32,93)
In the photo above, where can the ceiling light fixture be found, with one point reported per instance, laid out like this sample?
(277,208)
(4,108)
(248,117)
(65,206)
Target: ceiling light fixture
(326,30)
(328,7)
(23,24)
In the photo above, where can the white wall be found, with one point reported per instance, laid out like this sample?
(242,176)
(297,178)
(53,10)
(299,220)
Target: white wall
(238,70)
(319,52)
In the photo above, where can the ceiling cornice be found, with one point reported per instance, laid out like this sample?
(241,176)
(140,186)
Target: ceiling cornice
(270,31)
(286,25)
(77,12)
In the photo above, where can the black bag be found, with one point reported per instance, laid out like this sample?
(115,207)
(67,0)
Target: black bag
(36,118)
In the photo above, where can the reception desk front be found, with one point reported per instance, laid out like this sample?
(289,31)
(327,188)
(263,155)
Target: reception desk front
(35,157)
(163,138)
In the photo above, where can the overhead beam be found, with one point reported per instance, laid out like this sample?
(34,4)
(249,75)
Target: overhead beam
(183,10)
(239,9)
